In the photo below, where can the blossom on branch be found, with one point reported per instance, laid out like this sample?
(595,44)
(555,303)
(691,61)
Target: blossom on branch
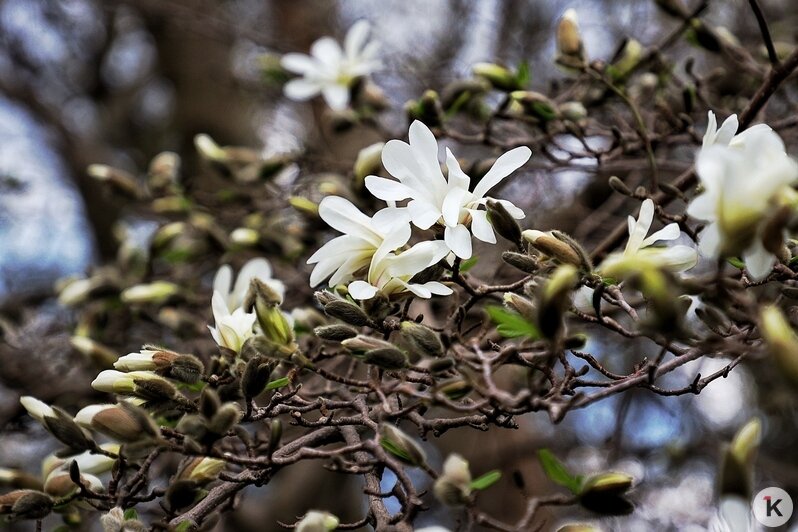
(234,294)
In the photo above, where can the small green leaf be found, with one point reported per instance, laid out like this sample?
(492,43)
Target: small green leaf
(609,281)
(183,526)
(557,472)
(468,264)
(131,513)
(737,263)
(511,324)
(523,74)
(389,446)
(487,480)
(279,383)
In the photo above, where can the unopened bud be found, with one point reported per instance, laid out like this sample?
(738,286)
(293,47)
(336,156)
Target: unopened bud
(244,236)
(422,339)
(120,180)
(369,161)
(619,186)
(535,104)
(573,111)
(520,304)
(335,332)
(503,222)
(781,340)
(96,352)
(208,148)
(164,170)
(569,40)
(609,483)
(453,487)
(316,521)
(62,483)
(521,261)
(455,389)
(256,376)
(389,358)
(347,312)
(153,293)
(224,419)
(26,504)
(401,445)
(124,422)
(202,470)
(558,246)
(500,77)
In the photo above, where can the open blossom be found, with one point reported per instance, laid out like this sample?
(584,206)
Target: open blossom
(675,258)
(436,199)
(344,255)
(726,135)
(231,329)
(330,70)
(741,181)
(391,273)
(234,293)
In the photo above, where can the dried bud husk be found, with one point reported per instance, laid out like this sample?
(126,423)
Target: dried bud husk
(347,312)
(500,77)
(737,468)
(26,504)
(423,340)
(576,341)
(335,332)
(115,521)
(389,358)
(503,222)
(781,340)
(521,261)
(453,487)
(401,445)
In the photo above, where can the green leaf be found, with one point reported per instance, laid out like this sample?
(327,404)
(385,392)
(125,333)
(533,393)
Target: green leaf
(389,446)
(468,264)
(487,480)
(183,526)
(511,324)
(557,472)
(737,263)
(523,74)
(279,383)
(131,513)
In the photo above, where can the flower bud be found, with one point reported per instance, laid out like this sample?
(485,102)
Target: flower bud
(737,468)
(224,419)
(500,77)
(609,483)
(455,389)
(15,478)
(555,298)
(335,332)
(181,494)
(389,358)
(122,181)
(202,469)
(347,312)
(96,352)
(369,161)
(256,376)
(316,521)
(428,109)
(26,504)
(114,521)
(401,445)
(520,304)
(244,237)
(619,186)
(60,483)
(573,111)
(163,171)
(521,261)
(535,104)
(569,40)
(76,291)
(461,92)
(58,423)
(123,422)
(361,343)
(139,383)
(503,222)
(781,340)
(551,246)
(453,487)
(580,527)
(208,148)
(153,293)
(423,340)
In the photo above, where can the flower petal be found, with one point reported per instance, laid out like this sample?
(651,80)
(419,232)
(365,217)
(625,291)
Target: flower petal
(481,227)
(640,228)
(758,260)
(425,151)
(343,216)
(423,214)
(336,96)
(298,63)
(453,202)
(712,128)
(438,288)
(387,189)
(327,51)
(504,166)
(726,131)
(709,241)
(301,89)
(458,238)
(356,38)
(456,178)
(362,290)
(669,232)
(223,280)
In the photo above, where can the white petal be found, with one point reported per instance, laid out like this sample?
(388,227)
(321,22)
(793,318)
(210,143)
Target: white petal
(758,261)
(386,220)
(350,265)
(640,227)
(298,63)
(511,209)
(504,166)
(452,203)
(327,51)
(425,151)
(219,306)
(340,247)
(703,207)
(669,232)
(457,178)
(362,290)
(397,158)
(414,260)
(709,241)
(423,213)
(223,280)
(726,131)
(678,258)
(712,128)
(336,96)
(387,189)
(343,216)
(458,238)
(417,289)
(301,89)
(258,268)
(356,38)
(481,227)
(438,288)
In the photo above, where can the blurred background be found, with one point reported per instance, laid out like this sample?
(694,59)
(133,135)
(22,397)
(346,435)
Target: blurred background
(116,82)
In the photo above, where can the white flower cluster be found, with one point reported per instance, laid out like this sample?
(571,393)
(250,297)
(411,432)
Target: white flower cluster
(378,244)
(233,325)
(331,70)
(745,177)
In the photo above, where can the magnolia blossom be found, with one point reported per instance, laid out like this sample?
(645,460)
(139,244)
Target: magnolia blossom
(675,258)
(234,294)
(726,135)
(231,329)
(344,255)
(391,272)
(330,70)
(742,177)
(436,199)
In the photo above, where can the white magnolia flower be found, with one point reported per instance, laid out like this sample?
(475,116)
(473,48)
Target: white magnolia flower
(231,329)
(330,70)
(344,255)
(37,409)
(436,199)
(741,182)
(675,258)
(234,294)
(390,272)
